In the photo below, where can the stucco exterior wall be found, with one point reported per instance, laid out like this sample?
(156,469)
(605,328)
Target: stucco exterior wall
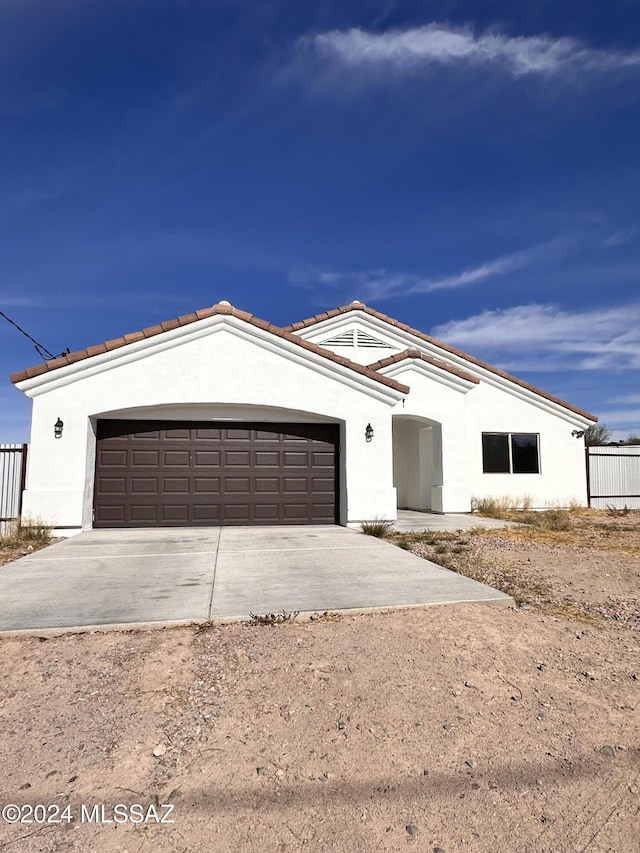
(463,415)
(562,478)
(218,368)
(464,411)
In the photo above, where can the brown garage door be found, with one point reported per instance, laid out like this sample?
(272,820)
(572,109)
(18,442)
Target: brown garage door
(183,474)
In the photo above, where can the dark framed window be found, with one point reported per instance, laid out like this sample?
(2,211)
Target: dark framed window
(510,453)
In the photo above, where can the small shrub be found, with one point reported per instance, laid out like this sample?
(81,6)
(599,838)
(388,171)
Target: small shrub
(27,531)
(499,507)
(379,527)
(34,530)
(615,512)
(551,519)
(272,618)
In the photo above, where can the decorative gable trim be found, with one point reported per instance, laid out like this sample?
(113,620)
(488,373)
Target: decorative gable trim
(420,356)
(173,331)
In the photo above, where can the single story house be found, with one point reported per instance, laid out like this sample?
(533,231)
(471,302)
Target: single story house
(218,417)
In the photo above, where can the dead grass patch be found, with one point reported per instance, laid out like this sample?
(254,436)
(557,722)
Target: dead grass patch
(24,537)
(583,528)
(462,553)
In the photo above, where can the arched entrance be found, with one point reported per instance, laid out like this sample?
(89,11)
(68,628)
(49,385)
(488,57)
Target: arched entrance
(417,462)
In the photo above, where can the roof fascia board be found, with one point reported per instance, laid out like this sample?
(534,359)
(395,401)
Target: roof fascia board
(430,371)
(532,399)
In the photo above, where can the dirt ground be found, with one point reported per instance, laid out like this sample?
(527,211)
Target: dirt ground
(448,728)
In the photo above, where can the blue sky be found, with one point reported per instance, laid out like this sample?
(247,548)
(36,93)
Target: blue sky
(471,168)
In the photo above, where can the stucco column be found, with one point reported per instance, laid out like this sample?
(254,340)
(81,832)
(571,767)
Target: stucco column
(369,469)
(451,490)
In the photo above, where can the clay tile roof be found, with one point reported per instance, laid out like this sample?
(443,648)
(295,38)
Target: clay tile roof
(365,309)
(187,319)
(416,354)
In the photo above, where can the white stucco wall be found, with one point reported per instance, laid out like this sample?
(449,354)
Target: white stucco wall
(464,415)
(216,367)
(466,410)
(562,478)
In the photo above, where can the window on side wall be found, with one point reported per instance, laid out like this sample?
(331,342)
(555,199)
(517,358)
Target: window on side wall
(510,453)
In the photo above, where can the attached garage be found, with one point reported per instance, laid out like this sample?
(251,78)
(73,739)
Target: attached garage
(199,473)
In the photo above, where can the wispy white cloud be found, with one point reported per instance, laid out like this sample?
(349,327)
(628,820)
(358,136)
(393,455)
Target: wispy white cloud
(543,337)
(18,301)
(619,238)
(418,48)
(620,418)
(385,284)
(626,398)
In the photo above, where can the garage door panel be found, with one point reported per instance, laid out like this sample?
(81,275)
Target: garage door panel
(294,459)
(144,514)
(146,436)
(237,485)
(295,484)
(209,513)
(176,458)
(238,513)
(208,433)
(173,485)
(145,485)
(266,512)
(323,484)
(207,457)
(194,473)
(145,458)
(210,485)
(295,511)
(173,513)
(112,516)
(237,458)
(263,435)
(325,511)
(113,458)
(237,434)
(113,485)
(177,434)
(267,485)
(322,459)
(267,459)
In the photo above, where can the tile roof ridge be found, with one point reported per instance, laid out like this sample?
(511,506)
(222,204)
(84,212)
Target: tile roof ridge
(418,355)
(220,308)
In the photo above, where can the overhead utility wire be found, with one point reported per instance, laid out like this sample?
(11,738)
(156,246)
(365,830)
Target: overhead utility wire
(42,351)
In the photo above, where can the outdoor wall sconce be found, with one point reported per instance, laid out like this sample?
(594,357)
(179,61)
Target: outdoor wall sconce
(368,433)
(57,429)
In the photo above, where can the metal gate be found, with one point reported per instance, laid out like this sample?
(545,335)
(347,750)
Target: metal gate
(13,474)
(613,476)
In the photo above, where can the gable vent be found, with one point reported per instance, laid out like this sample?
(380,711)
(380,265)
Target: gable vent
(346,339)
(365,340)
(355,338)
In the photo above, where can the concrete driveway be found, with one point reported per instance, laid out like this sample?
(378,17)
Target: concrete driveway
(128,577)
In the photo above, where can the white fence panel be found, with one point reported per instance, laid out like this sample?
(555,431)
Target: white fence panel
(13,459)
(614,477)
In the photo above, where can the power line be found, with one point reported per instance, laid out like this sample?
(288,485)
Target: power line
(42,351)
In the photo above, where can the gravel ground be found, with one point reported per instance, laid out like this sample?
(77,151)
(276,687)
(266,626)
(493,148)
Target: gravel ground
(461,727)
